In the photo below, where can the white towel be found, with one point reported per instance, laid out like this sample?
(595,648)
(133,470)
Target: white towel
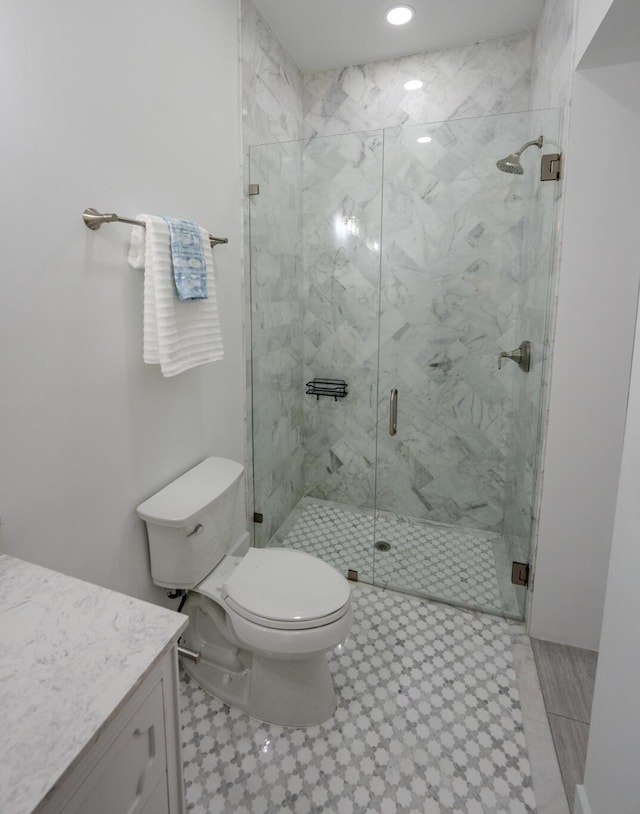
(177,335)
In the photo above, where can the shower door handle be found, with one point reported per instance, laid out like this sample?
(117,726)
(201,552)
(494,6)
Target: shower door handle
(393,411)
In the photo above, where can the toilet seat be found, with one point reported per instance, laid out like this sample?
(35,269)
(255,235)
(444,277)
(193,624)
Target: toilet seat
(279,582)
(285,589)
(282,624)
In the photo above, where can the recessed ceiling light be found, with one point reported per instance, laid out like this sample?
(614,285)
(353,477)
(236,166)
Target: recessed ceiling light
(413,84)
(399,15)
(423,139)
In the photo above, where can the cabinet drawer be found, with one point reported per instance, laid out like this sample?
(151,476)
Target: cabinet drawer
(132,768)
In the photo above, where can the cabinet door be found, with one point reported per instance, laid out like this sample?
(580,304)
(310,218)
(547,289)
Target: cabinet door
(133,771)
(158,803)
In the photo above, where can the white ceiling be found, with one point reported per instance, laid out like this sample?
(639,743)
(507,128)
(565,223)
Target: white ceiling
(324,34)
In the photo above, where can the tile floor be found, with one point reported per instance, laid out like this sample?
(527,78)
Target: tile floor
(429,721)
(567,678)
(466,567)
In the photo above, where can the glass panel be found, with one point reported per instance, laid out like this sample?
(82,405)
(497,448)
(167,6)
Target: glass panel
(454,264)
(315,303)
(276,333)
(534,308)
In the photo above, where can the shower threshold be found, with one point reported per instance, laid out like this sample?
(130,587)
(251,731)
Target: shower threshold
(459,566)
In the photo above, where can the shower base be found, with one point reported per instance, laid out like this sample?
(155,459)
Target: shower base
(464,567)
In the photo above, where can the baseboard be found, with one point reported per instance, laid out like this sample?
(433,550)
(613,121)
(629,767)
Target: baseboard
(581,802)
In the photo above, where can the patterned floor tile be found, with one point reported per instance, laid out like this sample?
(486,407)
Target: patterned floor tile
(462,566)
(428,722)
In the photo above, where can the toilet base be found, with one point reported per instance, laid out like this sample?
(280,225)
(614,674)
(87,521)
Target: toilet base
(287,691)
(291,692)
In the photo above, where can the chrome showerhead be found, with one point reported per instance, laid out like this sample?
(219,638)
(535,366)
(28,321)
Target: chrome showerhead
(512,162)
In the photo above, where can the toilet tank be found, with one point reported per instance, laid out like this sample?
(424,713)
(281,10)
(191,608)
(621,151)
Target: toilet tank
(190,523)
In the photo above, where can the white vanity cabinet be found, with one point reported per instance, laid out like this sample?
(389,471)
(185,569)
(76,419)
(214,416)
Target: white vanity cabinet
(134,766)
(89,707)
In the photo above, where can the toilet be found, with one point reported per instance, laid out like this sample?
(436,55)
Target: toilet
(261,619)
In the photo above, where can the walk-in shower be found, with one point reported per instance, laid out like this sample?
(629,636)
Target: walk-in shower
(391,270)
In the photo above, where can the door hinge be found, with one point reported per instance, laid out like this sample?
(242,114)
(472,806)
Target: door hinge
(258,517)
(551,167)
(520,573)
(254,189)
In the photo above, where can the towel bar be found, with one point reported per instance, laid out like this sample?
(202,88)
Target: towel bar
(94,220)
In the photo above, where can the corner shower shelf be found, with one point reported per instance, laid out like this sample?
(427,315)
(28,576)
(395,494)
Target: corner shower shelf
(337,388)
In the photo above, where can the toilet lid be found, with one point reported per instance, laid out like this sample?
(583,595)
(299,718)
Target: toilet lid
(291,588)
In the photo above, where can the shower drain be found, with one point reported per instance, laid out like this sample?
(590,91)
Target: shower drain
(382,545)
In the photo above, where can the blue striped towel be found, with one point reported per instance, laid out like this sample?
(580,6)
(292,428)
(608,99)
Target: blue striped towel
(187,257)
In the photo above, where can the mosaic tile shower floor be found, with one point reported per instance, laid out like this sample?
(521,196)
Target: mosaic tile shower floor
(428,722)
(467,567)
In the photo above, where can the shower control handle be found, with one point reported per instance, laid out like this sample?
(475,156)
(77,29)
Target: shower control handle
(521,356)
(393,411)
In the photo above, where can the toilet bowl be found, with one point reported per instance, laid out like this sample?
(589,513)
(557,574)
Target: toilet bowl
(263,621)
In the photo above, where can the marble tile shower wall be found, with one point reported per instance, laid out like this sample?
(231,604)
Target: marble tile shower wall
(450,203)
(469,80)
(553,54)
(272,112)
(271,84)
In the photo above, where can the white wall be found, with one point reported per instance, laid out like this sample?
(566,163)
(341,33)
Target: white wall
(125,107)
(592,353)
(611,776)
(591,13)
(616,40)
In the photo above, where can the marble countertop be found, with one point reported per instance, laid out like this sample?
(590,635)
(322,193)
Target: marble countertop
(70,653)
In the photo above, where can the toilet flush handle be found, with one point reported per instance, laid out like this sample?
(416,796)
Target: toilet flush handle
(199,528)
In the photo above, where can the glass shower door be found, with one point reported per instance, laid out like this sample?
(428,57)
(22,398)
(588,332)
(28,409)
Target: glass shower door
(451,280)
(342,186)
